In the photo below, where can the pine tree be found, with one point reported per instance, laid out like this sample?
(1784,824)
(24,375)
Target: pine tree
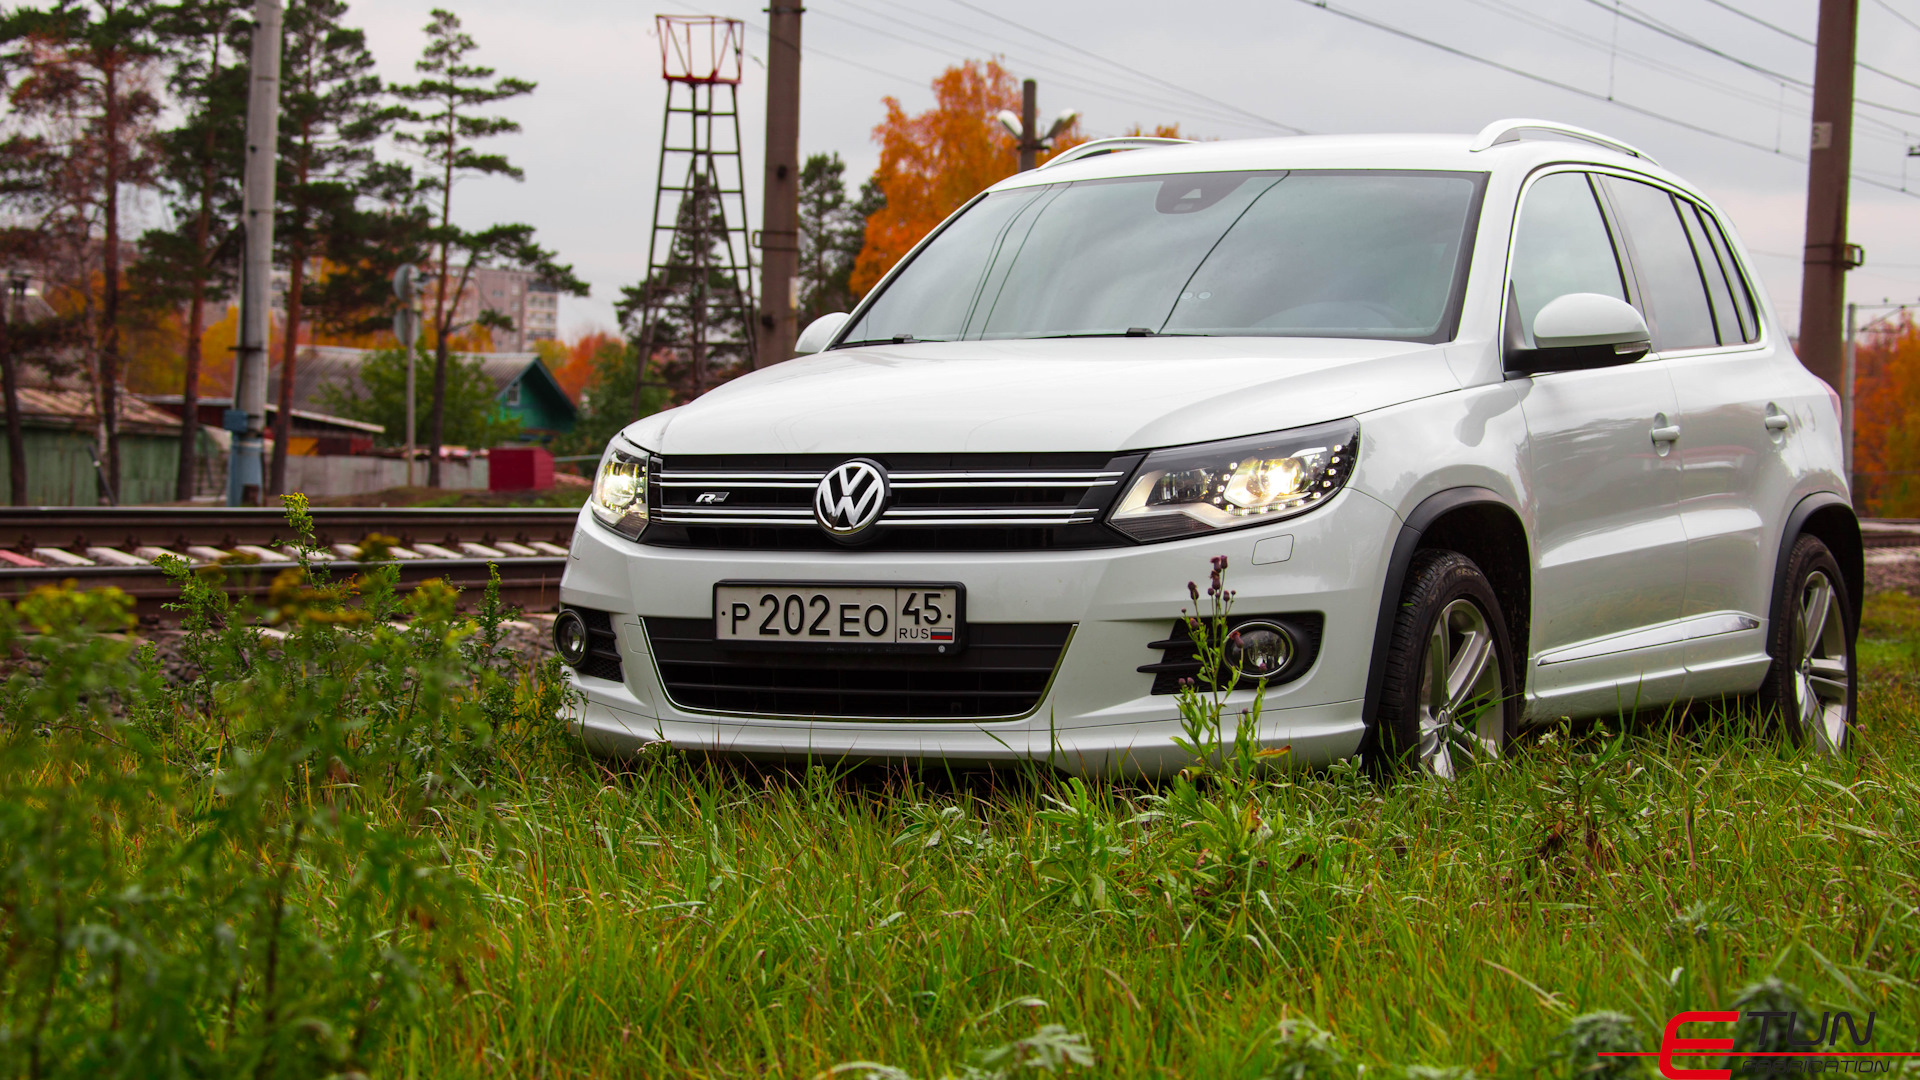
(446,124)
(89,73)
(193,261)
(330,115)
(832,229)
(690,321)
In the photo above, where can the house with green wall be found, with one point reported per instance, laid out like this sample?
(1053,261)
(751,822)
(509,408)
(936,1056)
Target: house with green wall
(527,390)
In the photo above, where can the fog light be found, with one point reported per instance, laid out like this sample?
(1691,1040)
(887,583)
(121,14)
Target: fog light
(1258,650)
(570,637)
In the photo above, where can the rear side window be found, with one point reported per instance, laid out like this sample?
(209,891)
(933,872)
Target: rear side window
(1673,290)
(1746,320)
(1726,324)
(1561,246)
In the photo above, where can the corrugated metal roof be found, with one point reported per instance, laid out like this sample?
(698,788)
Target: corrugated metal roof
(74,408)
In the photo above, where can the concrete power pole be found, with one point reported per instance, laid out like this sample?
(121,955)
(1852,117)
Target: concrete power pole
(780,210)
(1029,119)
(248,417)
(1823,282)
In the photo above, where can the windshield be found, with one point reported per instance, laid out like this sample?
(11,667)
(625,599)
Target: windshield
(1297,254)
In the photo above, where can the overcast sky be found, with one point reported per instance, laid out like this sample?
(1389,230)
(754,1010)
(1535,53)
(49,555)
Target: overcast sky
(1221,69)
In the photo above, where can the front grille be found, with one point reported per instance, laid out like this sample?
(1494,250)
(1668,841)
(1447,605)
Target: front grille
(1181,660)
(939,502)
(603,650)
(1002,672)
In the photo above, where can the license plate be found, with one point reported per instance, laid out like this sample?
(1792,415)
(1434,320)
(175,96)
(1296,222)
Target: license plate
(920,616)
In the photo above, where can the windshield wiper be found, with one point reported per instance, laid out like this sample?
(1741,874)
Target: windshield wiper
(897,339)
(1131,331)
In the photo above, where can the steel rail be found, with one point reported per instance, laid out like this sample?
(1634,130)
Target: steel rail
(29,527)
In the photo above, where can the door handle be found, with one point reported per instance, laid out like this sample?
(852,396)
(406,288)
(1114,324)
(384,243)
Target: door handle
(1777,420)
(1667,433)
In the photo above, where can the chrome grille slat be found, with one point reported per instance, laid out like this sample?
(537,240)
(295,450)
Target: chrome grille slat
(936,502)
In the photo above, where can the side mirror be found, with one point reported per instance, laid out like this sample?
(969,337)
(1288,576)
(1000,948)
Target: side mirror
(818,333)
(1580,331)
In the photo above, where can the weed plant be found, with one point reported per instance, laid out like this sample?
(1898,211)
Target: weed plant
(367,847)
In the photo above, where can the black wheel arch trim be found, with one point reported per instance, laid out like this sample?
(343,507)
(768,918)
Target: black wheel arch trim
(1852,560)
(1405,544)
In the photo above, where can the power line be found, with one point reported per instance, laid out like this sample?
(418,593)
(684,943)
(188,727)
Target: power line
(945,36)
(1896,13)
(1136,72)
(1643,19)
(1364,20)
(1723,5)
(1637,17)
(814,50)
(1505,7)
(1069,79)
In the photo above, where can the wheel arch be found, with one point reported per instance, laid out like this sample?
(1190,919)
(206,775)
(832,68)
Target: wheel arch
(1480,524)
(1831,518)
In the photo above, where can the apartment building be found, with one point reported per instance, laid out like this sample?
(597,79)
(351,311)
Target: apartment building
(531,304)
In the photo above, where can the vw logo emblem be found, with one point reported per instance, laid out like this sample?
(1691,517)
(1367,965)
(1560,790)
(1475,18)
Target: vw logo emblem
(850,498)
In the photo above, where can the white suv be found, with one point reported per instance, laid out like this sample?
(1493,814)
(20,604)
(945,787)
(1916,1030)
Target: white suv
(1490,429)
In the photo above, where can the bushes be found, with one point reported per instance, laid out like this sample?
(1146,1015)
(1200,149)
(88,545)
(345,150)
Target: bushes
(225,875)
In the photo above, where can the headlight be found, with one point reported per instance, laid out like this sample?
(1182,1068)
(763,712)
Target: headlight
(1190,490)
(620,491)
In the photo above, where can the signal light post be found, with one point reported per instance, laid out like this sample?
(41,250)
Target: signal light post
(1025,127)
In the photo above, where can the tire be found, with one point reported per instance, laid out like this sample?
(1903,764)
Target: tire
(1812,686)
(1449,622)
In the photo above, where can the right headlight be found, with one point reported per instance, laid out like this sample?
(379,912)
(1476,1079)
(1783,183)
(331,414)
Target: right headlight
(1192,490)
(619,498)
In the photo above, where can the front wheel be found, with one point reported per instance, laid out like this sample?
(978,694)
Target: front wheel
(1810,688)
(1449,698)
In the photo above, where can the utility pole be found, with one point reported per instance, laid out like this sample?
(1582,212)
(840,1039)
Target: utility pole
(247,419)
(780,208)
(1025,128)
(1828,256)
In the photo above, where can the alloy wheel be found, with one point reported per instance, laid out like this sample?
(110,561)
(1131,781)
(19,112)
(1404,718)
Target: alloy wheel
(1820,677)
(1461,717)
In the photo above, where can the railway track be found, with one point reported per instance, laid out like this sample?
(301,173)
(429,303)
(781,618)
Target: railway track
(121,547)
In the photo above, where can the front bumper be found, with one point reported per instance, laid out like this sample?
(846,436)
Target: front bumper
(1098,715)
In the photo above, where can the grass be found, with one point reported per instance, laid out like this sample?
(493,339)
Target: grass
(673,916)
(680,918)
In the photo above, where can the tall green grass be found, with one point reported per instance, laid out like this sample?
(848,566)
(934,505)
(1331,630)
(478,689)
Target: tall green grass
(675,916)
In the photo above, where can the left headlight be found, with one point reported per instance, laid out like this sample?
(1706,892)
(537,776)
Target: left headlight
(619,497)
(1192,490)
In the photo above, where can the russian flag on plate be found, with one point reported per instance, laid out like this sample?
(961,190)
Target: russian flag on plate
(940,635)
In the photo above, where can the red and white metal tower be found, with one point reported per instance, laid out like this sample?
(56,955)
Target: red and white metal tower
(695,308)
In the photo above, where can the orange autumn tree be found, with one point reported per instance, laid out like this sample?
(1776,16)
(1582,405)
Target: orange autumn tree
(932,163)
(1886,421)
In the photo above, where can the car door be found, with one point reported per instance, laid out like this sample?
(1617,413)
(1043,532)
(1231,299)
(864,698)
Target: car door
(1735,423)
(1609,547)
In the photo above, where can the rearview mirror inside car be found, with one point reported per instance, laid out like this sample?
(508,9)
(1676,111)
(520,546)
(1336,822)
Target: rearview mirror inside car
(1579,331)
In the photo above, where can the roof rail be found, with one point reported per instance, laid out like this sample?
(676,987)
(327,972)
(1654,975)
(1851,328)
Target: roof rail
(1505,131)
(1108,146)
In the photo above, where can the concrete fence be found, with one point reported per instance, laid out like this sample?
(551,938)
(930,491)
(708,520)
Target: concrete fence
(336,475)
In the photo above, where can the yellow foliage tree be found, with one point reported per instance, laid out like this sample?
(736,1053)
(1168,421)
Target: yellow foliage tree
(933,163)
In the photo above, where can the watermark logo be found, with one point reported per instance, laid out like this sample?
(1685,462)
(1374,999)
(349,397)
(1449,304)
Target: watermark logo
(1823,1053)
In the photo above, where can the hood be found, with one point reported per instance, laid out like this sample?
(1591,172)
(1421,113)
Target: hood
(1106,394)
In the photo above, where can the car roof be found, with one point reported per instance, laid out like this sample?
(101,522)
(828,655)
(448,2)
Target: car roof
(1441,153)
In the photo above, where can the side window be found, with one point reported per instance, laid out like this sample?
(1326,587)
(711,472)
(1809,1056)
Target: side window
(1743,309)
(1725,323)
(1561,246)
(1673,293)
